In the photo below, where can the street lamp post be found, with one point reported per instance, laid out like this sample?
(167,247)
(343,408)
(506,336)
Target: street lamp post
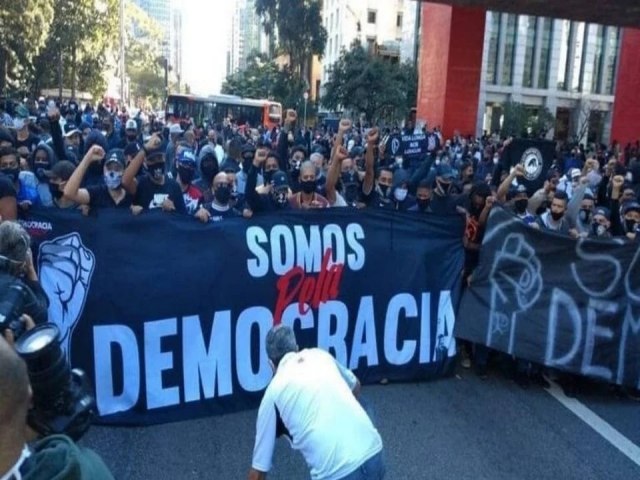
(305,95)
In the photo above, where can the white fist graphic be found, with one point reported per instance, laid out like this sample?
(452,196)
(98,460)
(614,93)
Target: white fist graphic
(66,267)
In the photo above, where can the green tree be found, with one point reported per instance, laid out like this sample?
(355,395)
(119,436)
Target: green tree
(368,84)
(300,33)
(262,78)
(144,62)
(521,120)
(81,34)
(24,26)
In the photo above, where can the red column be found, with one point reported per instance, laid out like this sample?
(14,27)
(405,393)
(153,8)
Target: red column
(625,125)
(450,67)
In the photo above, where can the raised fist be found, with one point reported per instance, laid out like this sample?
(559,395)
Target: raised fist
(519,170)
(345,125)
(260,157)
(95,153)
(291,116)
(372,136)
(617,181)
(153,142)
(341,153)
(66,267)
(516,284)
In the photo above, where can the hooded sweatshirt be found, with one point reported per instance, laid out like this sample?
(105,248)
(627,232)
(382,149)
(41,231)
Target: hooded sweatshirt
(43,186)
(57,458)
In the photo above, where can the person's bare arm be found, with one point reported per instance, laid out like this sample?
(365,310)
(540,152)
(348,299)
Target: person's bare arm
(369,171)
(333,174)
(257,475)
(129,181)
(503,189)
(8,208)
(72,189)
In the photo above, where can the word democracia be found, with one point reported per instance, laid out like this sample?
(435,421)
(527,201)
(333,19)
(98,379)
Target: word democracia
(174,361)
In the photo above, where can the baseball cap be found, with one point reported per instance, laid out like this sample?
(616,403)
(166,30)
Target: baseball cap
(444,170)
(574,173)
(604,211)
(186,156)
(70,128)
(62,170)
(630,207)
(175,128)
(115,155)
(279,180)
(131,125)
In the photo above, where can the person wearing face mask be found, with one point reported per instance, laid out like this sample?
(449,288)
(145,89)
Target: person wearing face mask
(131,132)
(601,224)
(186,168)
(24,137)
(343,185)
(94,174)
(277,197)
(109,195)
(26,190)
(308,197)
(218,208)
(630,225)
(209,168)
(554,219)
(58,177)
(41,161)
(423,198)
(580,211)
(270,168)
(155,189)
(443,200)
(111,134)
(398,195)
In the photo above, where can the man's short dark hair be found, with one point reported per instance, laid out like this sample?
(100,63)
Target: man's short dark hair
(560,195)
(6,151)
(299,148)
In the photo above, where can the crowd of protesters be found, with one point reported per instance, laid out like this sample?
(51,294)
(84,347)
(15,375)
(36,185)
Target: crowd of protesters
(62,156)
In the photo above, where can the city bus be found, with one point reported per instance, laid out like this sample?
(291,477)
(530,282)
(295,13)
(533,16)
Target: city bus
(216,109)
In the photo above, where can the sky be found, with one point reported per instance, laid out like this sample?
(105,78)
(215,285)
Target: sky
(205,25)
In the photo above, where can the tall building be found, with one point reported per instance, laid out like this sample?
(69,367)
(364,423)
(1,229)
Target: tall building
(247,36)
(376,24)
(566,66)
(160,11)
(175,57)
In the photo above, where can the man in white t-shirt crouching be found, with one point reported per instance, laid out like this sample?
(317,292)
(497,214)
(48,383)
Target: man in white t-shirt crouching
(311,399)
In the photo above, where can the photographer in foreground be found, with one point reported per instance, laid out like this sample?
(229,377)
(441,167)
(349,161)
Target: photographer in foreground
(18,280)
(55,457)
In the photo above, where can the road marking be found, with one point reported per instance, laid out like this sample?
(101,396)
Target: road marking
(604,429)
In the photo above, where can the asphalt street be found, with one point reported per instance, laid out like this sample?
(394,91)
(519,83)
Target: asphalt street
(456,428)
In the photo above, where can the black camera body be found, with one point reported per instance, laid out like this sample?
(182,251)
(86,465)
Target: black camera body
(11,307)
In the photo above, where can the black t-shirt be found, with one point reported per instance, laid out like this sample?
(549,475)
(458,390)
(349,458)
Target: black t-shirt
(99,198)
(220,213)
(31,142)
(6,187)
(150,195)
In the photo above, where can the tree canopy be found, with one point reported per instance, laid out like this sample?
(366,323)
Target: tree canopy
(367,84)
(264,79)
(300,32)
(24,27)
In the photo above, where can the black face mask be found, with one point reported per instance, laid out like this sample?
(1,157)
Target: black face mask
(268,175)
(41,168)
(209,170)
(131,137)
(521,205)
(598,230)
(630,225)
(384,189)
(423,203)
(444,188)
(222,194)
(585,215)
(186,174)
(156,170)
(55,191)
(557,216)
(12,173)
(308,186)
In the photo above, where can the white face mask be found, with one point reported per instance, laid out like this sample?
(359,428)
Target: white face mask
(400,194)
(629,177)
(496,160)
(19,123)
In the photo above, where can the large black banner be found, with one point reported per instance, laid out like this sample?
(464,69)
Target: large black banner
(535,155)
(571,305)
(168,316)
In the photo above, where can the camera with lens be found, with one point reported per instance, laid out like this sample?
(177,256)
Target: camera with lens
(62,399)
(11,307)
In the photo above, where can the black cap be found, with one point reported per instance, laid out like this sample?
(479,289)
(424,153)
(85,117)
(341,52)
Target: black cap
(115,155)
(279,180)
(62,170)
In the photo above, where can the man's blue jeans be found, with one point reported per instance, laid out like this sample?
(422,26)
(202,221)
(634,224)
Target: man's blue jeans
(372,469)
